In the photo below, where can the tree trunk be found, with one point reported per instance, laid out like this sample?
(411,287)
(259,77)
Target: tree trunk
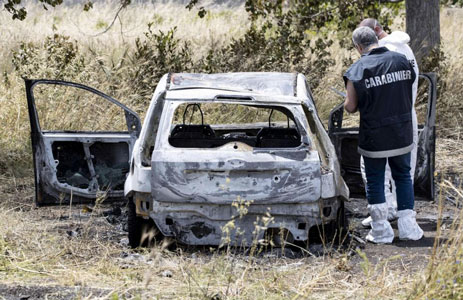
(423,26)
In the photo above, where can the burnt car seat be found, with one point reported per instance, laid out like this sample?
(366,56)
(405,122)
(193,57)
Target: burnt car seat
(192,136)
(275,137)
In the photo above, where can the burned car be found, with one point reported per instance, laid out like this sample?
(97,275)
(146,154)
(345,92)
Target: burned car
(218,156)
(211,140)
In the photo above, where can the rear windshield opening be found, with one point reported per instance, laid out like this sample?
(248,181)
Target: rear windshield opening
(212,125)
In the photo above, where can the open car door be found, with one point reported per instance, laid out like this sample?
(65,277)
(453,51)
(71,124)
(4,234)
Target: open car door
(345,140)
(82,142)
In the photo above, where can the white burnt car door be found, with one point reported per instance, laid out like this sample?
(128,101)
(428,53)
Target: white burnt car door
(345,140)
(82,141)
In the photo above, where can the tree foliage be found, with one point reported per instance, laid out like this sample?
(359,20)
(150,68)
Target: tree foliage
(294,36)
(457,3)
(158,53)
(20,13)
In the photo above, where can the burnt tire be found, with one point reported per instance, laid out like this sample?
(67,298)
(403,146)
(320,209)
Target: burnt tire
(340,227)
(332,232)
(342,222)
(141,232)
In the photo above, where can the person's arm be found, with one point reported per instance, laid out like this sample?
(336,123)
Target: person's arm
(351,103)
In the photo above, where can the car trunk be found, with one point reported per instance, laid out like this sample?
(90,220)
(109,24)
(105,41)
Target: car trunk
(223,175)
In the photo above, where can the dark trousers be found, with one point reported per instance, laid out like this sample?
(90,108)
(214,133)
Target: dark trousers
(400,169)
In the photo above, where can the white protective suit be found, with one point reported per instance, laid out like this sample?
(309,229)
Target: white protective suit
(397,41)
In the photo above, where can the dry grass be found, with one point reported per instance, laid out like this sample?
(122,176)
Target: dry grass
(35,248)
(83,27)
(449,115)
(217,28)
(443,277)
(69,248)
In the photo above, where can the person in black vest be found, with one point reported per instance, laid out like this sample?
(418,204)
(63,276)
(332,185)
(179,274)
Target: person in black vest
(379,86)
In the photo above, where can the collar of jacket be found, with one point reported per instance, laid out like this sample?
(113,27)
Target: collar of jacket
(376,51)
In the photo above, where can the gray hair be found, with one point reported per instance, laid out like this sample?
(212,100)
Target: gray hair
(364,37)
(370,22)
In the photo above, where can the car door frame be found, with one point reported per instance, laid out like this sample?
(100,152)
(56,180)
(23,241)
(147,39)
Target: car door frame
(47,189)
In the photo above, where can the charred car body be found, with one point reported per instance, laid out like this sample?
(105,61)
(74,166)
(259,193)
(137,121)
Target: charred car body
(211,145)
(272,151)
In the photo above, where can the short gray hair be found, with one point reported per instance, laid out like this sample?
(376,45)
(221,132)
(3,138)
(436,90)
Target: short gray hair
(364,36)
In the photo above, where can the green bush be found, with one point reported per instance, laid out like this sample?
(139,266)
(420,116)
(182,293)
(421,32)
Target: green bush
(58,58)
(157,54)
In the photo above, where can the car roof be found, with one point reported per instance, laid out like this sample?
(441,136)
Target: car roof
(252,84)
(224,96)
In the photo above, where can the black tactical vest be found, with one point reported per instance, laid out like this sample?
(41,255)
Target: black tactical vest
(383,82)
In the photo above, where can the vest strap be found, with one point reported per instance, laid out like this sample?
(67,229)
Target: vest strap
(386,153)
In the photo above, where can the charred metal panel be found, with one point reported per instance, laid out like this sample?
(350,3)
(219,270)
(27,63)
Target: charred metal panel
(138,179)
(425,164)
(263,83)
(79,166)
(75,166)
(346,143)
(111,164)
(327,152)
(221,175)
(320,138)
(328,185)
(197,224)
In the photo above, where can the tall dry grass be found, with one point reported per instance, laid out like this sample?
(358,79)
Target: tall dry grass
(72,248)
(34,245)
(108,59)
(105,56)
(443,278)
(216,29)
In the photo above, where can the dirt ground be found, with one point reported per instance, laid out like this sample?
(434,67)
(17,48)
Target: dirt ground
(106,225)
(414,254)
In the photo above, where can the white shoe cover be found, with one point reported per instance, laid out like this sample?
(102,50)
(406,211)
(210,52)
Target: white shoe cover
(391,216)
(408,228)
(381,231)
(366,222)
(391,206)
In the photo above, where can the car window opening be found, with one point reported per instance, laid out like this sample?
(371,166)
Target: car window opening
(64,108)
(109,162)
(212,125)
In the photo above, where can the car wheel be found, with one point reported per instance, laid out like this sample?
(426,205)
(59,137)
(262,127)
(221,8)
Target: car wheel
(341,225)
(141,232)
(332,232)
(342,217)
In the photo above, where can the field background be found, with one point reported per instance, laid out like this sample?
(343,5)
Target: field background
(67,43)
